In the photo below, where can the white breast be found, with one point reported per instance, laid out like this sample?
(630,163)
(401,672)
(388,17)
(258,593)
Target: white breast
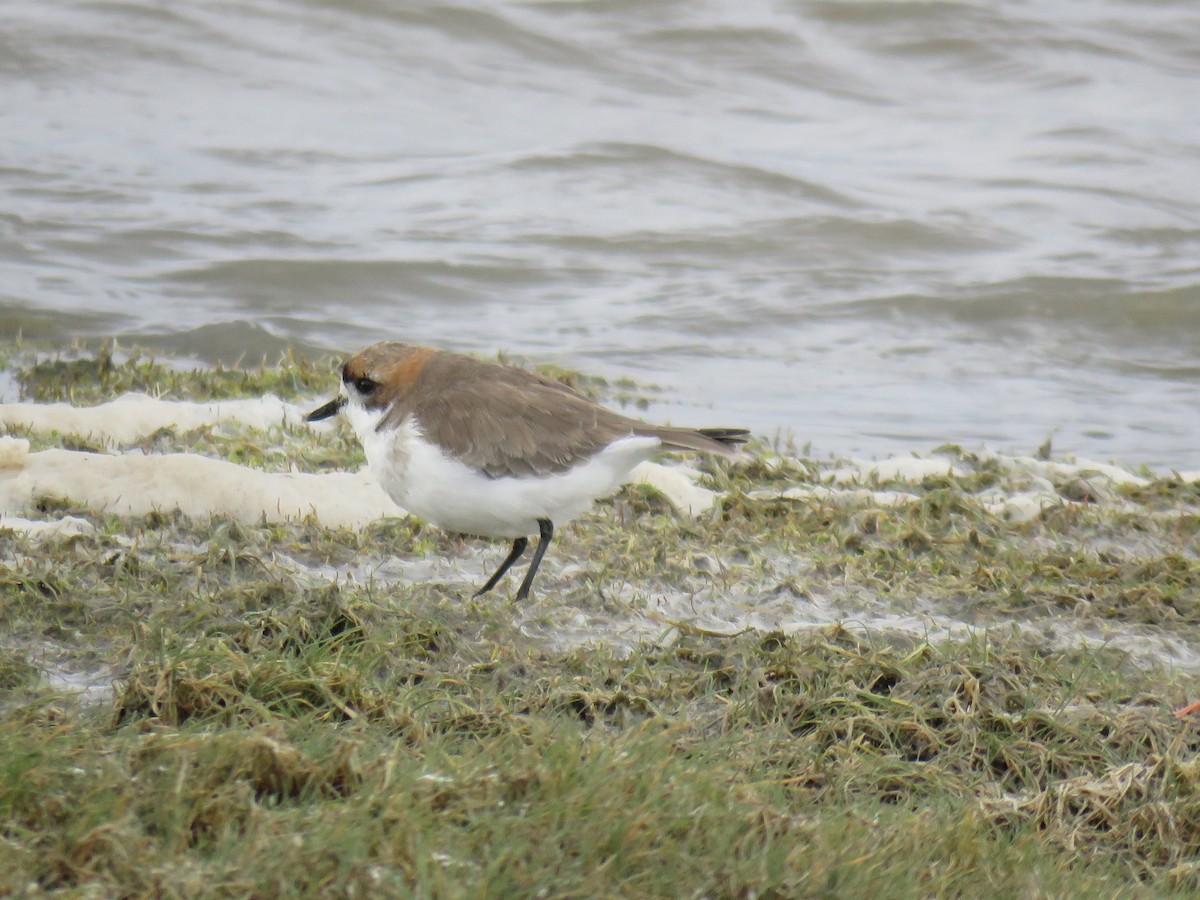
(425,481)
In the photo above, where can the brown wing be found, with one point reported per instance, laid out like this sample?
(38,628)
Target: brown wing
(507,421)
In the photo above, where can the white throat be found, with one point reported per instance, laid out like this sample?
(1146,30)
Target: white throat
(364,421)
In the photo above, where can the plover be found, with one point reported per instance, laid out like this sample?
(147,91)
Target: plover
(494,450)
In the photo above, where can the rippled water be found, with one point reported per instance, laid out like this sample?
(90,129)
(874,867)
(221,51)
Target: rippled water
(879,225)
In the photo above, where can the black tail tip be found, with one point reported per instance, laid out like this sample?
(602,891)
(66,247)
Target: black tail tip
(732,436)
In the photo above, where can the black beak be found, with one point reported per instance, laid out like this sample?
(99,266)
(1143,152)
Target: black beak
(329,409)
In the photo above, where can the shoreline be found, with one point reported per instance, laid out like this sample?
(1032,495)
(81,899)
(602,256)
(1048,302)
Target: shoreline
(964,643)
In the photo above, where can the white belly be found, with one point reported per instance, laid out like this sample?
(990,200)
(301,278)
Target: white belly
(426,482)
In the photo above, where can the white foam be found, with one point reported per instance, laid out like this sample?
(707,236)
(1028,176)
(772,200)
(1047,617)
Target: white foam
(729,612)
(1051,470)
(912,469)
(678,485)
(13,452)
(1028,491)
(38,528)
(134,416)
(195,485)
(839,496)
(1021,507)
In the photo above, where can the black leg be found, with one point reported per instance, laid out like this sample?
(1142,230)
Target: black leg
(518,548)
(546,527)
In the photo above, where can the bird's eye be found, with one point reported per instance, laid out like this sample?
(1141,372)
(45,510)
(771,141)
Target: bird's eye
(365,385)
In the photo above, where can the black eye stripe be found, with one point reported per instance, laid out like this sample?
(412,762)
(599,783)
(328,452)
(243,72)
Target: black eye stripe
(362,384)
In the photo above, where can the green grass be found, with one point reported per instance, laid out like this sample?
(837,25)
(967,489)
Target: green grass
(84,378)
(273,731)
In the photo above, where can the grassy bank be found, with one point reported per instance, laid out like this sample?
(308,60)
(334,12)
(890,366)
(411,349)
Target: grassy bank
(261,723)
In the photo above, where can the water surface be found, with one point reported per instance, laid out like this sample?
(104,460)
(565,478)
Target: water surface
(874,225)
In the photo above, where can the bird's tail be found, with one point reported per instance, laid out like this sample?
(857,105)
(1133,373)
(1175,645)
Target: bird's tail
(708,440)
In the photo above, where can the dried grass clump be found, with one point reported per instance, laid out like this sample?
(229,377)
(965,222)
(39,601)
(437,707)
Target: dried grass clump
(261,757)
(228,687)
(1145,812)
